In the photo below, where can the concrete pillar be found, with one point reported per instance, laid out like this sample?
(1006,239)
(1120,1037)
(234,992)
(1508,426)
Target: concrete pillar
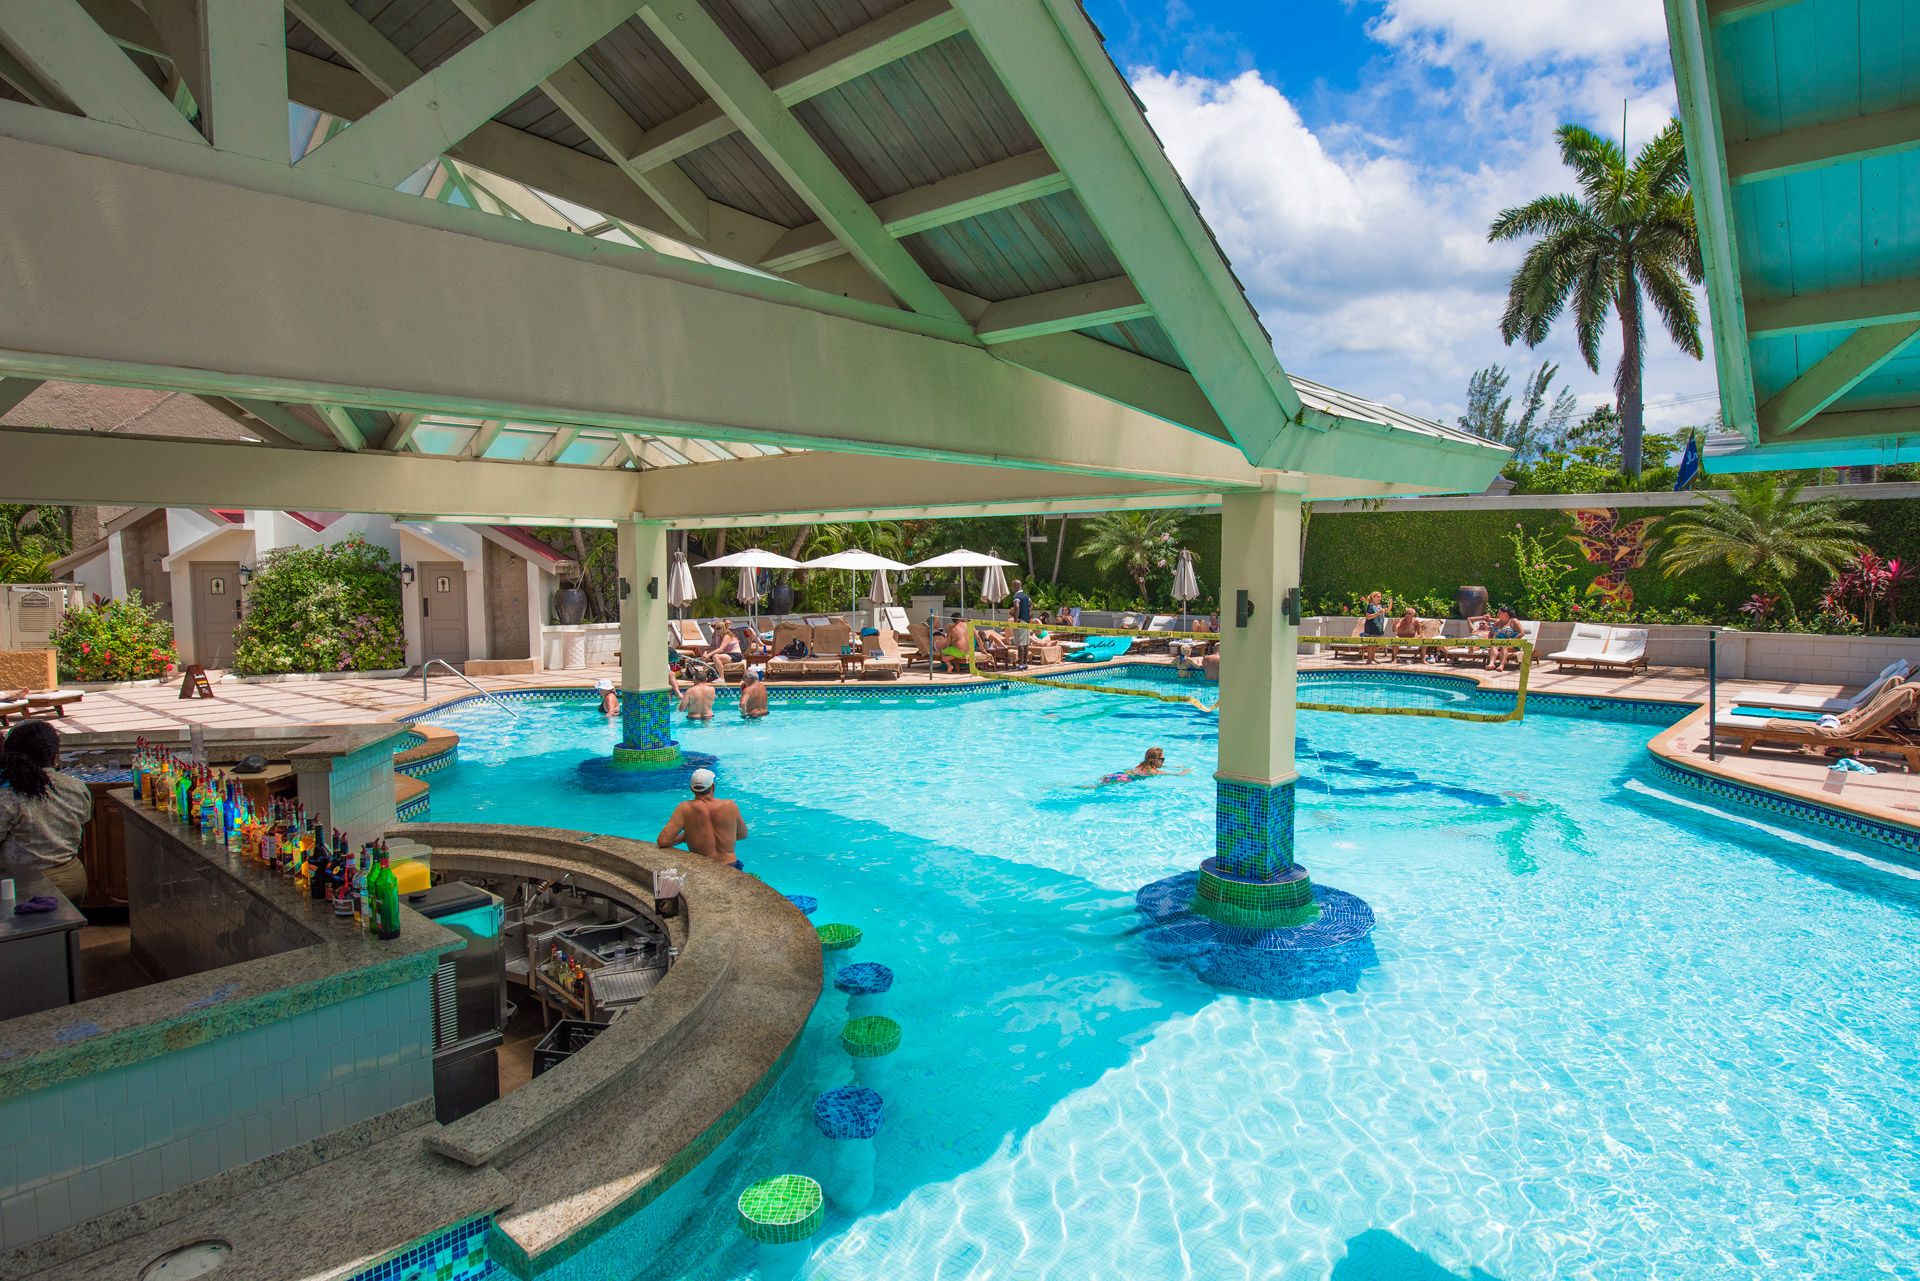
(1252,879)
(646,703)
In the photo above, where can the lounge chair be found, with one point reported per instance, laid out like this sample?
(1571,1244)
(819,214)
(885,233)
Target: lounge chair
(919,645)
(1584,648)
(751,645)
(1158,623)
(784,635)
(885,661)
(1895,671)
(830,640)
(12,705)
(52,703)
(1419,645)
(1362,653)
(684,634)
(893,616)
(1884,725)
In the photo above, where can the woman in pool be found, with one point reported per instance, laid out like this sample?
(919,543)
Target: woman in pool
(1154,762)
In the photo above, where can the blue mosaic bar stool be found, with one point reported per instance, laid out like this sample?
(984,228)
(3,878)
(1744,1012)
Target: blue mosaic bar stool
(807,903)
(864,983)
(850,1116)
(782,1214)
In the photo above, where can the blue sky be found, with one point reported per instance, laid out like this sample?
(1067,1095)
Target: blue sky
(1350,154)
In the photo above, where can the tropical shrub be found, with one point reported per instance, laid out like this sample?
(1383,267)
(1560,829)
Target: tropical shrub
(331,608)
(114,640)
(31,539)
(1761,531)
(1142,544)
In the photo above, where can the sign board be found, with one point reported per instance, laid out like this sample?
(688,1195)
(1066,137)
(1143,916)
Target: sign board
(194,682)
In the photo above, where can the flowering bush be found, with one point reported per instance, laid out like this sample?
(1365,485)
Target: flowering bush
(333,608)
(114,640)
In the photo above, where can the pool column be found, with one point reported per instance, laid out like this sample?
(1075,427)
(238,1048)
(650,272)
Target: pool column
(1252,880)
(646,703)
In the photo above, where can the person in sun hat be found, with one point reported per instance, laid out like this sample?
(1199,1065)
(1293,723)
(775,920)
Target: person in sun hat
(609,697)
(707,825)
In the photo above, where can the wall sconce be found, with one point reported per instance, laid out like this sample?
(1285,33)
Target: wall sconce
(406,575)
(1242,608)
(1291,606)
(626,589)
(246,575)
(653,588)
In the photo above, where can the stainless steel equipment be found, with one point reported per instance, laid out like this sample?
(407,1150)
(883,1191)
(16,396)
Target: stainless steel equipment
(39,952)
(469,997)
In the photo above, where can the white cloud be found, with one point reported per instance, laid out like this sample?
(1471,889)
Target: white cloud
(1526,29)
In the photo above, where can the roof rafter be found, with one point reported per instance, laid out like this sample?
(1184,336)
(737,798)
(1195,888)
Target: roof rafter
(1012,181)
(466,91)
(359,42)
(401,435)
(1722,12)
(70,54)
(1836,142)
(339,421)
(1837,373)
(1102,302)
(574,90)
(483,439)
(556,445)
(272,418)
(698,43)
(1879,304)
(906,30)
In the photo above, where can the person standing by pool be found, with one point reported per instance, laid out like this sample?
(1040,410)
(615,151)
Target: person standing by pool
(1373,619)
(706,824)
(1020,609)
(41,810)
(753,695)
(697,703)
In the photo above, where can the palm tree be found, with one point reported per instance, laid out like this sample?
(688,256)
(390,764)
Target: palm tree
(1137,542)
(1760,531)
(1629,232)
(31,539)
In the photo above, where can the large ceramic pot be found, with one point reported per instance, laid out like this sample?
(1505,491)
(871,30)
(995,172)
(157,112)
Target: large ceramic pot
(1469,602)
(569,605)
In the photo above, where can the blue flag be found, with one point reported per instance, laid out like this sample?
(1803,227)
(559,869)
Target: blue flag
(1689,464)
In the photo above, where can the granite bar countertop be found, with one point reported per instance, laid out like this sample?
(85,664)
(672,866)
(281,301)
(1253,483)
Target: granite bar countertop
(44,1049)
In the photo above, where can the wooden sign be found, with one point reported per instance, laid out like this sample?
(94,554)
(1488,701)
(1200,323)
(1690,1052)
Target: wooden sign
(194,682)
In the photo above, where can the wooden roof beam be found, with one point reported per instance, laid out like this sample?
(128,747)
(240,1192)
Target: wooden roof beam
(359,42)
(483,439)
(70,54)
(906,30)
(1835,142)
(574,90)
(340,422)
(400,435)
(1012,181)
(556,445)
(698,43)
(268,418)
(1722,12)
(1837,373)
(1881,304)
(1059,311)
(466,91)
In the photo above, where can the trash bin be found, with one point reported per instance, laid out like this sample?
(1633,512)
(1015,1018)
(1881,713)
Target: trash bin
(563,1039)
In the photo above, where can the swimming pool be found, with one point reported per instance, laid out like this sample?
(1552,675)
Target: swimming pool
(1608,1033)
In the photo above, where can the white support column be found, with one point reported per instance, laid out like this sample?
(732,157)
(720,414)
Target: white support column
(646,703)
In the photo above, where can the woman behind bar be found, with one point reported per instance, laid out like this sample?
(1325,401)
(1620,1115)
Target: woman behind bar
(41,810)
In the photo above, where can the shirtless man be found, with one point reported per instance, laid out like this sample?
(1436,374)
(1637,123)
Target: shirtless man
(707,825)
(753,695)
(697,703)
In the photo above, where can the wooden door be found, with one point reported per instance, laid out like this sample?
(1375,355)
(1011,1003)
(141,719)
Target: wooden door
(216,610)
(443,610)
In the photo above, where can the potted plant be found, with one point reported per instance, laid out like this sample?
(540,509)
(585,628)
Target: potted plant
(569,601)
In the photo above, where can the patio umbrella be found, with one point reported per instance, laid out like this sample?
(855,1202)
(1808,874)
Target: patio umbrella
(993,587)
(750,562)
(680,592)
(1186,584)
(858,562)
(748,594)
(964,559)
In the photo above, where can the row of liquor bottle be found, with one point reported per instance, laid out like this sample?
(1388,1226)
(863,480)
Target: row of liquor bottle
(279,836)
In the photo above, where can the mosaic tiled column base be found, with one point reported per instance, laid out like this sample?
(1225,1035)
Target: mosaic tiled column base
(646,730)
(1326,954)
(1284,899)
(1252,829)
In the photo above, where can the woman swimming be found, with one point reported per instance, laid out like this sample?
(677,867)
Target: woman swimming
(1154,762)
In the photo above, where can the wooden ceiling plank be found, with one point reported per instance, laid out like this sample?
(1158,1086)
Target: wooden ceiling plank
(344,428)
(574,90)
(1836,373)
(72,55)
(1834,142)
(359,42)
(277,419)
(1102,302)
(697,41)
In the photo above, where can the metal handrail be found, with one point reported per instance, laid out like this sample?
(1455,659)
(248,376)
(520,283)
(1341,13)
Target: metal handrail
(491,698)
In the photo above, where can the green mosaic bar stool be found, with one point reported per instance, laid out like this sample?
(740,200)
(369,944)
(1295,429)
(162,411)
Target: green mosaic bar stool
(782,1214)
(870,1041)
(836,942)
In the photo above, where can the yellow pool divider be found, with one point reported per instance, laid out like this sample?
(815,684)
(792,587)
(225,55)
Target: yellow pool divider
(1517,712)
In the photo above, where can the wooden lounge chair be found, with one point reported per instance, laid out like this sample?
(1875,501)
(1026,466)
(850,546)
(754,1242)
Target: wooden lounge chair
(1584,647)
(1360,653)
(1884,725)
(830,640)
(684,634)
(919,645)
(1895,671)
(751,645)
(52,703)
(1416,647)
(885,661)
(12,704)
(784,635)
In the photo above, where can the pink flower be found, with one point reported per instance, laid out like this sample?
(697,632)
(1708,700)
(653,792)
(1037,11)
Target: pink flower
(85,648)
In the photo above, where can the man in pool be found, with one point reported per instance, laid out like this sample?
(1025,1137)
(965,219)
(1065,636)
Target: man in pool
(753,695)
(697,703)
(707,825)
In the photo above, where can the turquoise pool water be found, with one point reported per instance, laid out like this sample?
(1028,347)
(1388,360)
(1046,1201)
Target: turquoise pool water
(1609,1035)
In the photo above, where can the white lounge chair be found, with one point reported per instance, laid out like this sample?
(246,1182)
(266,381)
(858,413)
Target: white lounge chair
(1896,670)
(894,617)
(1588,642)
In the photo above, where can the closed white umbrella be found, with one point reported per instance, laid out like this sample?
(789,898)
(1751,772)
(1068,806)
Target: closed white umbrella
(880,592)
(993,587)
(680,592)
(1186,584)
(748,593)
(856,561)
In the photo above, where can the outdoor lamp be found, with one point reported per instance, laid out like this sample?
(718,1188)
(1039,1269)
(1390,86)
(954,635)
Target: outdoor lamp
(1242,608)
(246,575)
(653,587)
(626,589)
(406,575)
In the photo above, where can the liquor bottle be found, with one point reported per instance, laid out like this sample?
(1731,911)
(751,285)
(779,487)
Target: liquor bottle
(139,768)
(360,890)
(182,797)
(386,892)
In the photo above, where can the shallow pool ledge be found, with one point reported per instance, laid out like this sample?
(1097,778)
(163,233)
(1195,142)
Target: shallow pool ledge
(585,1147)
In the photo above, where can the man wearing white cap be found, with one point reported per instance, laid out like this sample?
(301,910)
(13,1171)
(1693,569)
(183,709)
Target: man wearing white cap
(609,700)
(707,825)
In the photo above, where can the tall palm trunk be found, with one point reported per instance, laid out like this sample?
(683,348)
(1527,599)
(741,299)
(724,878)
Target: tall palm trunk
(1626,381)
(1059,549)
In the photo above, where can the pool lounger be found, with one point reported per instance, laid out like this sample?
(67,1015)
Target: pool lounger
(1796,703)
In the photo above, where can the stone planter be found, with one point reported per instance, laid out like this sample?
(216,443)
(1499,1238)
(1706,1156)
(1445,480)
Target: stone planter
(569,606)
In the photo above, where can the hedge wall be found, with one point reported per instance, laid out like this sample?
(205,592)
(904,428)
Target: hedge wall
(1414,554)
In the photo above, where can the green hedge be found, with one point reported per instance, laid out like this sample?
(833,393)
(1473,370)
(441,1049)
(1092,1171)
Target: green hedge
(1420,553)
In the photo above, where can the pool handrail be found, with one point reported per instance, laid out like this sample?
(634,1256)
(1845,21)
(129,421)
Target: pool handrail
(491,698)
